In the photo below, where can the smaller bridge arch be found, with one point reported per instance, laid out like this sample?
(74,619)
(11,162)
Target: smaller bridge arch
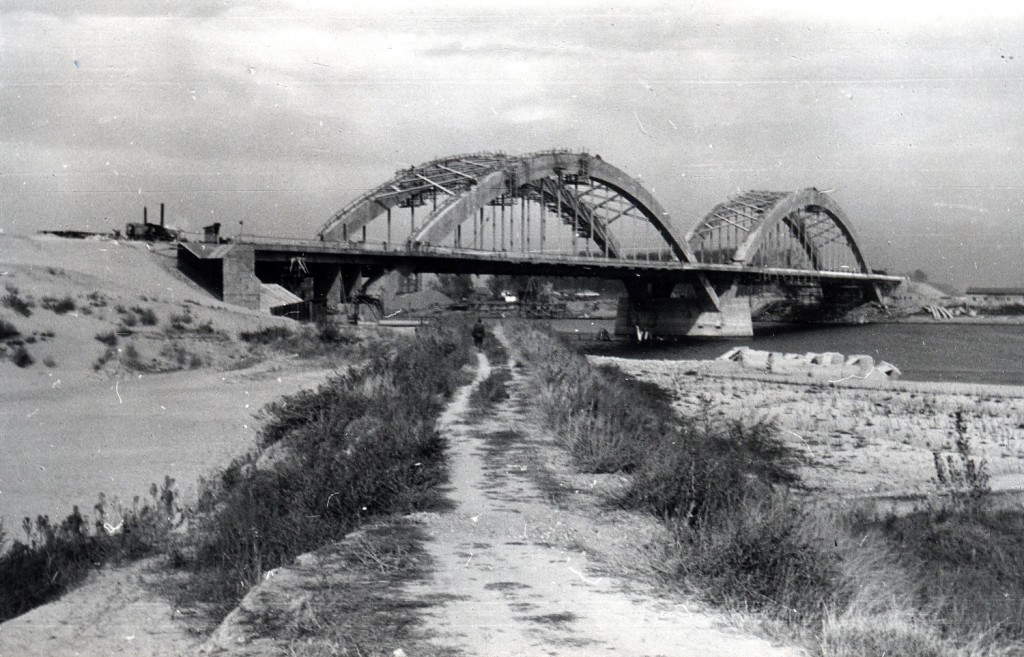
(801,230)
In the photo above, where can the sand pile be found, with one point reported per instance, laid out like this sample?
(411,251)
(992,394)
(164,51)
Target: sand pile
(135,374)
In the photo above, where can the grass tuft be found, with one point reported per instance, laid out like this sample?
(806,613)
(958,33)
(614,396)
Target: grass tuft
(21,357)
(15,302)
(109,338)
(58,306)
(8,330)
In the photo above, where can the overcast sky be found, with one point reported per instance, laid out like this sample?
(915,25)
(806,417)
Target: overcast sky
(277,113)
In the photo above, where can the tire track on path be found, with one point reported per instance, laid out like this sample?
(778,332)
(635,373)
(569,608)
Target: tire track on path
(508,576)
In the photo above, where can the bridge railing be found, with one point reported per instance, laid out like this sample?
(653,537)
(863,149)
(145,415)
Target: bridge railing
(633,255)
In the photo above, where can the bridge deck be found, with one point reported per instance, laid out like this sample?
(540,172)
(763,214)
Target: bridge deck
(461,260)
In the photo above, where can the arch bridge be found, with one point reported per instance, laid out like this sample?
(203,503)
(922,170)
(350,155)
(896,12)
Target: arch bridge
(564,213)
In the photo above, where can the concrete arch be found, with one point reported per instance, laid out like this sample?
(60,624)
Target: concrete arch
(470,188)
(780,211)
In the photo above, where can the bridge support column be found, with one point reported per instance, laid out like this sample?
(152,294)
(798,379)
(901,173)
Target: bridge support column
(643,316)
(328,285)
(240,285)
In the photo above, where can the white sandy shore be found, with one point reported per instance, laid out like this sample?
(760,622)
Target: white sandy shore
(859,437)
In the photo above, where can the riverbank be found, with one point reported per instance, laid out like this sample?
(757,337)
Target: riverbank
(860,438)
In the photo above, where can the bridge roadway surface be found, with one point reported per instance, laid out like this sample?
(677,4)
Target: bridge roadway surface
(441,260)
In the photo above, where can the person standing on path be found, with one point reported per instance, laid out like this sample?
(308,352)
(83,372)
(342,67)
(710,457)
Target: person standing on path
(479,332)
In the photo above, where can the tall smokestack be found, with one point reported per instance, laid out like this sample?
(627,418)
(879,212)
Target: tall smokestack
(161,215)
(145,214)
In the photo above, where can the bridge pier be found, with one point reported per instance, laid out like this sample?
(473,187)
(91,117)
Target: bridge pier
(643,315)
(334,285)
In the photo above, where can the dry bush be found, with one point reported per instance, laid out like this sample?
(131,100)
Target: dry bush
(53,558)
(15,302)
(58,306)
(363,445)
(8,330)
(21,357)
(146,316)
(109,338)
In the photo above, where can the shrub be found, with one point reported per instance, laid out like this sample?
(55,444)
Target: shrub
(322,340)
(54,558)
(964,477)
(132,360)
(968,563)
(49,361)
(8,330)
(129,319)
(109,338)
(13,301)
(21,357)
(109,354)
(762,554)
(146,316)
(330,332)
(180,357)
(362,445)
(181,321)
(265,335)
(58,306)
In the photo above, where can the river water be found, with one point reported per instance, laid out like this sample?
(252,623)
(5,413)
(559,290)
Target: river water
(969,353)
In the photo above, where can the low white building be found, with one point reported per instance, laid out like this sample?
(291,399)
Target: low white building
(995,297)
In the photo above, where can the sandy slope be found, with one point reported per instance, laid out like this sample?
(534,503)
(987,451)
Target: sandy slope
(70,431)
(115,613)
(106,279)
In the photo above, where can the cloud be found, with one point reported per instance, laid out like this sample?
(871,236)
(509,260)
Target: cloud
(69,9)
(279,112)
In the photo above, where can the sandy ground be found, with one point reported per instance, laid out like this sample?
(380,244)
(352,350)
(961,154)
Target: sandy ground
(856,438)
(524,563)
(115,613)
(66,444)
(71,430)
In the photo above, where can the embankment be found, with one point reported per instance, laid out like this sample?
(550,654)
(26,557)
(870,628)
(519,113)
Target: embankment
(738,470)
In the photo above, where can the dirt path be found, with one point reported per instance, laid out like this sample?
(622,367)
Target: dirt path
(521,564)
(511,573)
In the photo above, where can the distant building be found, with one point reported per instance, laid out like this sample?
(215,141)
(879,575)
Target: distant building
(994,297)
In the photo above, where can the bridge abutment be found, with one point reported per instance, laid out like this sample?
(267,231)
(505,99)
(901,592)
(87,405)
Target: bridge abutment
(239,283)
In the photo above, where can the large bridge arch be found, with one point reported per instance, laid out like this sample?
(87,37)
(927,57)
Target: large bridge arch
(468,183)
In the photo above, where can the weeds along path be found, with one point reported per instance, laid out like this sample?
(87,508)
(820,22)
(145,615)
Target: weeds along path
(510,571)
